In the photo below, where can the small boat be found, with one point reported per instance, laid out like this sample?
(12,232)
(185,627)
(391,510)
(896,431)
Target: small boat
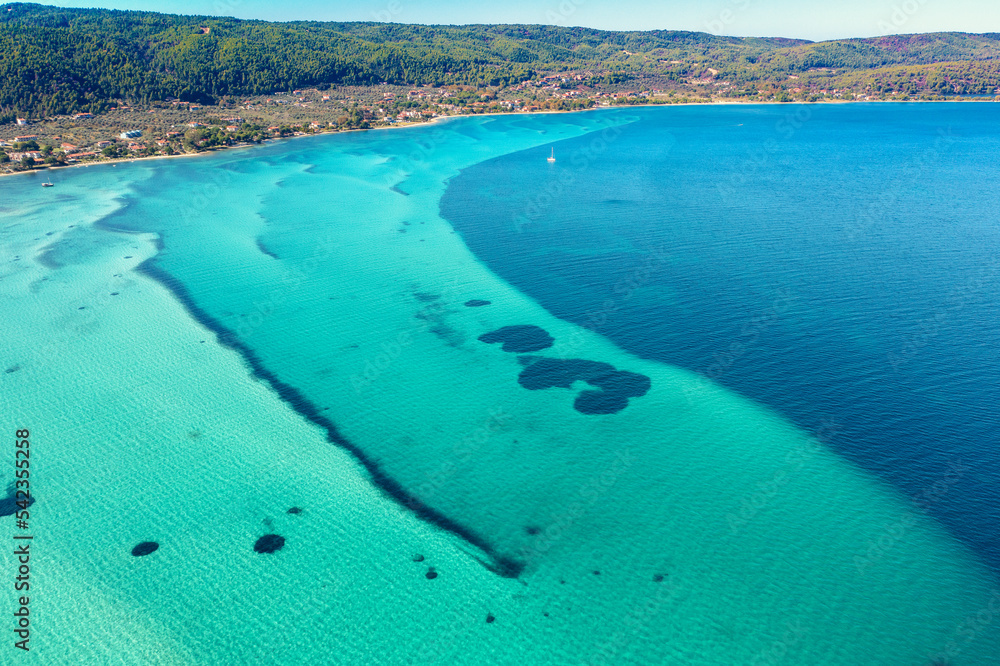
(48,183)
(552,157)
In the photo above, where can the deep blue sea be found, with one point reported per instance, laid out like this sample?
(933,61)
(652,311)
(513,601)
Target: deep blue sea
(840,265)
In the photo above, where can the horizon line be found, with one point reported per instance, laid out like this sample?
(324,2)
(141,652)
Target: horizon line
(540,25)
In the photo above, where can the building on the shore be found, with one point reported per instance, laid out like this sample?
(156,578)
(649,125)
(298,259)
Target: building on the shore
(22,121)
(81,116)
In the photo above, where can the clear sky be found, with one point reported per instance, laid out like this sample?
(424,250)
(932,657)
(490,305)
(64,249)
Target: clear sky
(805,19)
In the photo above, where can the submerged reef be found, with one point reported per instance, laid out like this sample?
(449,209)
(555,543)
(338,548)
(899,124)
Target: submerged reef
(265,250)
(519,339)
(269,543)
(8,503)
(615,387)
(145,548)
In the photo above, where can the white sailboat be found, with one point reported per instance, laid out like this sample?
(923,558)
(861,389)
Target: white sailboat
(552,157)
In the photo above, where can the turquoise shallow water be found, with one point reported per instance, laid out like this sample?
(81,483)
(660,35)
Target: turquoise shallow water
(309,291)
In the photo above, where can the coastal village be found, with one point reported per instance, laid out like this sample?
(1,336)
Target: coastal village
(176,127)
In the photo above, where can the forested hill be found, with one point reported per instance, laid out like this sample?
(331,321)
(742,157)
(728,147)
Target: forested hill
(55,60)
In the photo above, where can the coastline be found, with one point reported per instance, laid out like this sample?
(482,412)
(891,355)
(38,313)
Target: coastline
(437,119)
(212,151)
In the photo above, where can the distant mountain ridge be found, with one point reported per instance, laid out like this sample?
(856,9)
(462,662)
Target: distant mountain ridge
(55,60)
